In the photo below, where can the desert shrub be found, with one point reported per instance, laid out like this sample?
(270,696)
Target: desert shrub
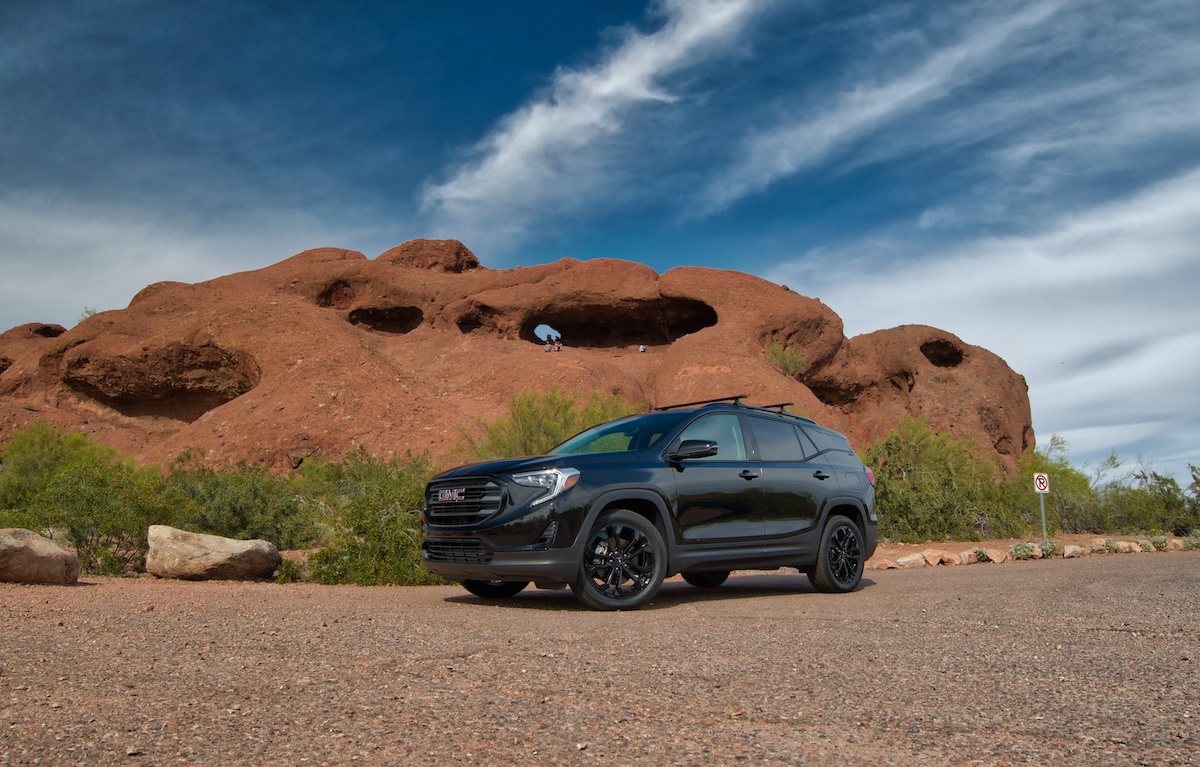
(101,502)
(930,486)
(790,363)
(372,509)
(536,422)
(1049,549)
(31,458)
(291,571)
(1021,550)
(244,502)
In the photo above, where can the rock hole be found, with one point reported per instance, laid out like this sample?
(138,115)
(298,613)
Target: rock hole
(943,354)
(338,294)
(177,381)
(396,319)
(655,322)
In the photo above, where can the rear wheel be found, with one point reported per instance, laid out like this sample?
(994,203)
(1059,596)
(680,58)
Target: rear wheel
(840,562)
(706,580)
(624,563)
(495,589)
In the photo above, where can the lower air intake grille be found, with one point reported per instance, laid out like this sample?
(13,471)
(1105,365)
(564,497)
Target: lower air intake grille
(463,552)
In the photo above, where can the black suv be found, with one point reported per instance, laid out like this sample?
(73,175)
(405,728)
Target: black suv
(698,489)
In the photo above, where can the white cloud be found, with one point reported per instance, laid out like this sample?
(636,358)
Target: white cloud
(1098,312)
(98,256)
(791,146)
(545,159)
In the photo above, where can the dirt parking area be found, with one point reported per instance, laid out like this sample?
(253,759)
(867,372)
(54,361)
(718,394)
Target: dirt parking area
(1065,662)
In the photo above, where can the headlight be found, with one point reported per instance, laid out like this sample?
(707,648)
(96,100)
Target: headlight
(555,481)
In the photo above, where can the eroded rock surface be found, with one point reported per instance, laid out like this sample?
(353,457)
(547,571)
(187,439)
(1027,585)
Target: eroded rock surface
(329,350)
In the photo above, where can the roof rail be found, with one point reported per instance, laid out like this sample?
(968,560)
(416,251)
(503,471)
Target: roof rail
(735,399)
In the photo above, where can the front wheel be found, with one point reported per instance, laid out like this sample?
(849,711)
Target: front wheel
(840,562)
(624,563)
(495,589)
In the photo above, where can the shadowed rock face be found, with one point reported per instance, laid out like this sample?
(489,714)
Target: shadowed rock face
(328,350)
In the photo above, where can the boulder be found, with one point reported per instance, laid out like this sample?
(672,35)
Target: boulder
(909,561)
(26,557)
(197,557)
(996,555)
(938,557)
(969,557)
(1073,552)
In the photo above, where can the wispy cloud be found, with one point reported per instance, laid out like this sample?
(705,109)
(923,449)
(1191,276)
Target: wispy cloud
(1097,311)
(793,145)
(546,155)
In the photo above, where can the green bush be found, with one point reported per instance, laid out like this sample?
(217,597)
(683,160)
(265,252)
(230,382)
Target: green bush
(931,486)
(790,363)
(244,502)
(102,503)
(1021,550)
(537,422)
(373,511)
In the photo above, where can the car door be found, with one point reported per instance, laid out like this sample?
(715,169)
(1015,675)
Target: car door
(717,497)
(794,480)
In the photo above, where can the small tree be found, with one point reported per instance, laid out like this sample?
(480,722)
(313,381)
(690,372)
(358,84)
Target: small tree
(790,363)
(536,422)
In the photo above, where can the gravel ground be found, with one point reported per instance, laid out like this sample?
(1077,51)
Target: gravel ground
(1065,662)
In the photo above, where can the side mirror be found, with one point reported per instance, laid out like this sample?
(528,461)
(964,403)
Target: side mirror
(693,448)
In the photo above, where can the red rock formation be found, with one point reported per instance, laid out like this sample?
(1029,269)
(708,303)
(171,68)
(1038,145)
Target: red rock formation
(328,350)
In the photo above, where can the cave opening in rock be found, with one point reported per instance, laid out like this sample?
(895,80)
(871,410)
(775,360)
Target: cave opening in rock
(654,322)
(338,294)
(396,319)
(942,353)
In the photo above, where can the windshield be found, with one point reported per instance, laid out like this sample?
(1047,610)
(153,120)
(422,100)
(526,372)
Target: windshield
(635,433)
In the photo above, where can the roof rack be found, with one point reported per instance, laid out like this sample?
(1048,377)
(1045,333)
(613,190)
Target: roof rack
(735,399)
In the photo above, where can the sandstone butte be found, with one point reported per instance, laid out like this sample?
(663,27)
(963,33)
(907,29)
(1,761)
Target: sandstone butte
(328,350)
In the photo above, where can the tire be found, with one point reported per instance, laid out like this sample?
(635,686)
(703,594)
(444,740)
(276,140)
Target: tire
(495,589)
(624,563)
(840,560)
(706,580)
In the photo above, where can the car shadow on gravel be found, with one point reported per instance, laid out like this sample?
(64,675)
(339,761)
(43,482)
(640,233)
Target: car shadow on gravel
(673,594)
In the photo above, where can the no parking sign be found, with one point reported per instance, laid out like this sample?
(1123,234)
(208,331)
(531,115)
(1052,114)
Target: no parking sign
(1041,483)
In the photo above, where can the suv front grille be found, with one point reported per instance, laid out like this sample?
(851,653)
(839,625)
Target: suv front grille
(463,552)
(457,503)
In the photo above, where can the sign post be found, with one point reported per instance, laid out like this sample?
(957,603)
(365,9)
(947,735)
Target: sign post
(1041,486)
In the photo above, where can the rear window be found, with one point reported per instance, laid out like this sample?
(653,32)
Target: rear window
(828,440)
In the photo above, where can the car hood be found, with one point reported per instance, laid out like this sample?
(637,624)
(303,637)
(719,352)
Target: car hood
(533,463)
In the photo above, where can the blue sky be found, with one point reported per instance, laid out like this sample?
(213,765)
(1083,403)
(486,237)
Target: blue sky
(1023,174)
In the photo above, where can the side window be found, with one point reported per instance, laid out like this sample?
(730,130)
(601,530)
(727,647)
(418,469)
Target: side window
(725,430)
(777,440)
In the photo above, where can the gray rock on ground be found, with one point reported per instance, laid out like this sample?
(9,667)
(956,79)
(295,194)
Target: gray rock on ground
(26,557)
(188,556)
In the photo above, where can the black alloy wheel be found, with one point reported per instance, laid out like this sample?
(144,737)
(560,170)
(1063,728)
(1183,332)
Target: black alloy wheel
(495,589)
(624,563)
(706,580)
(840,562)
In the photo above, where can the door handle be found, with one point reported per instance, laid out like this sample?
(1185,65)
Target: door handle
(747,474)
(820,474)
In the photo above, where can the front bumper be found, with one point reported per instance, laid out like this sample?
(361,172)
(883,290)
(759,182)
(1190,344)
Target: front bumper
(466,559)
